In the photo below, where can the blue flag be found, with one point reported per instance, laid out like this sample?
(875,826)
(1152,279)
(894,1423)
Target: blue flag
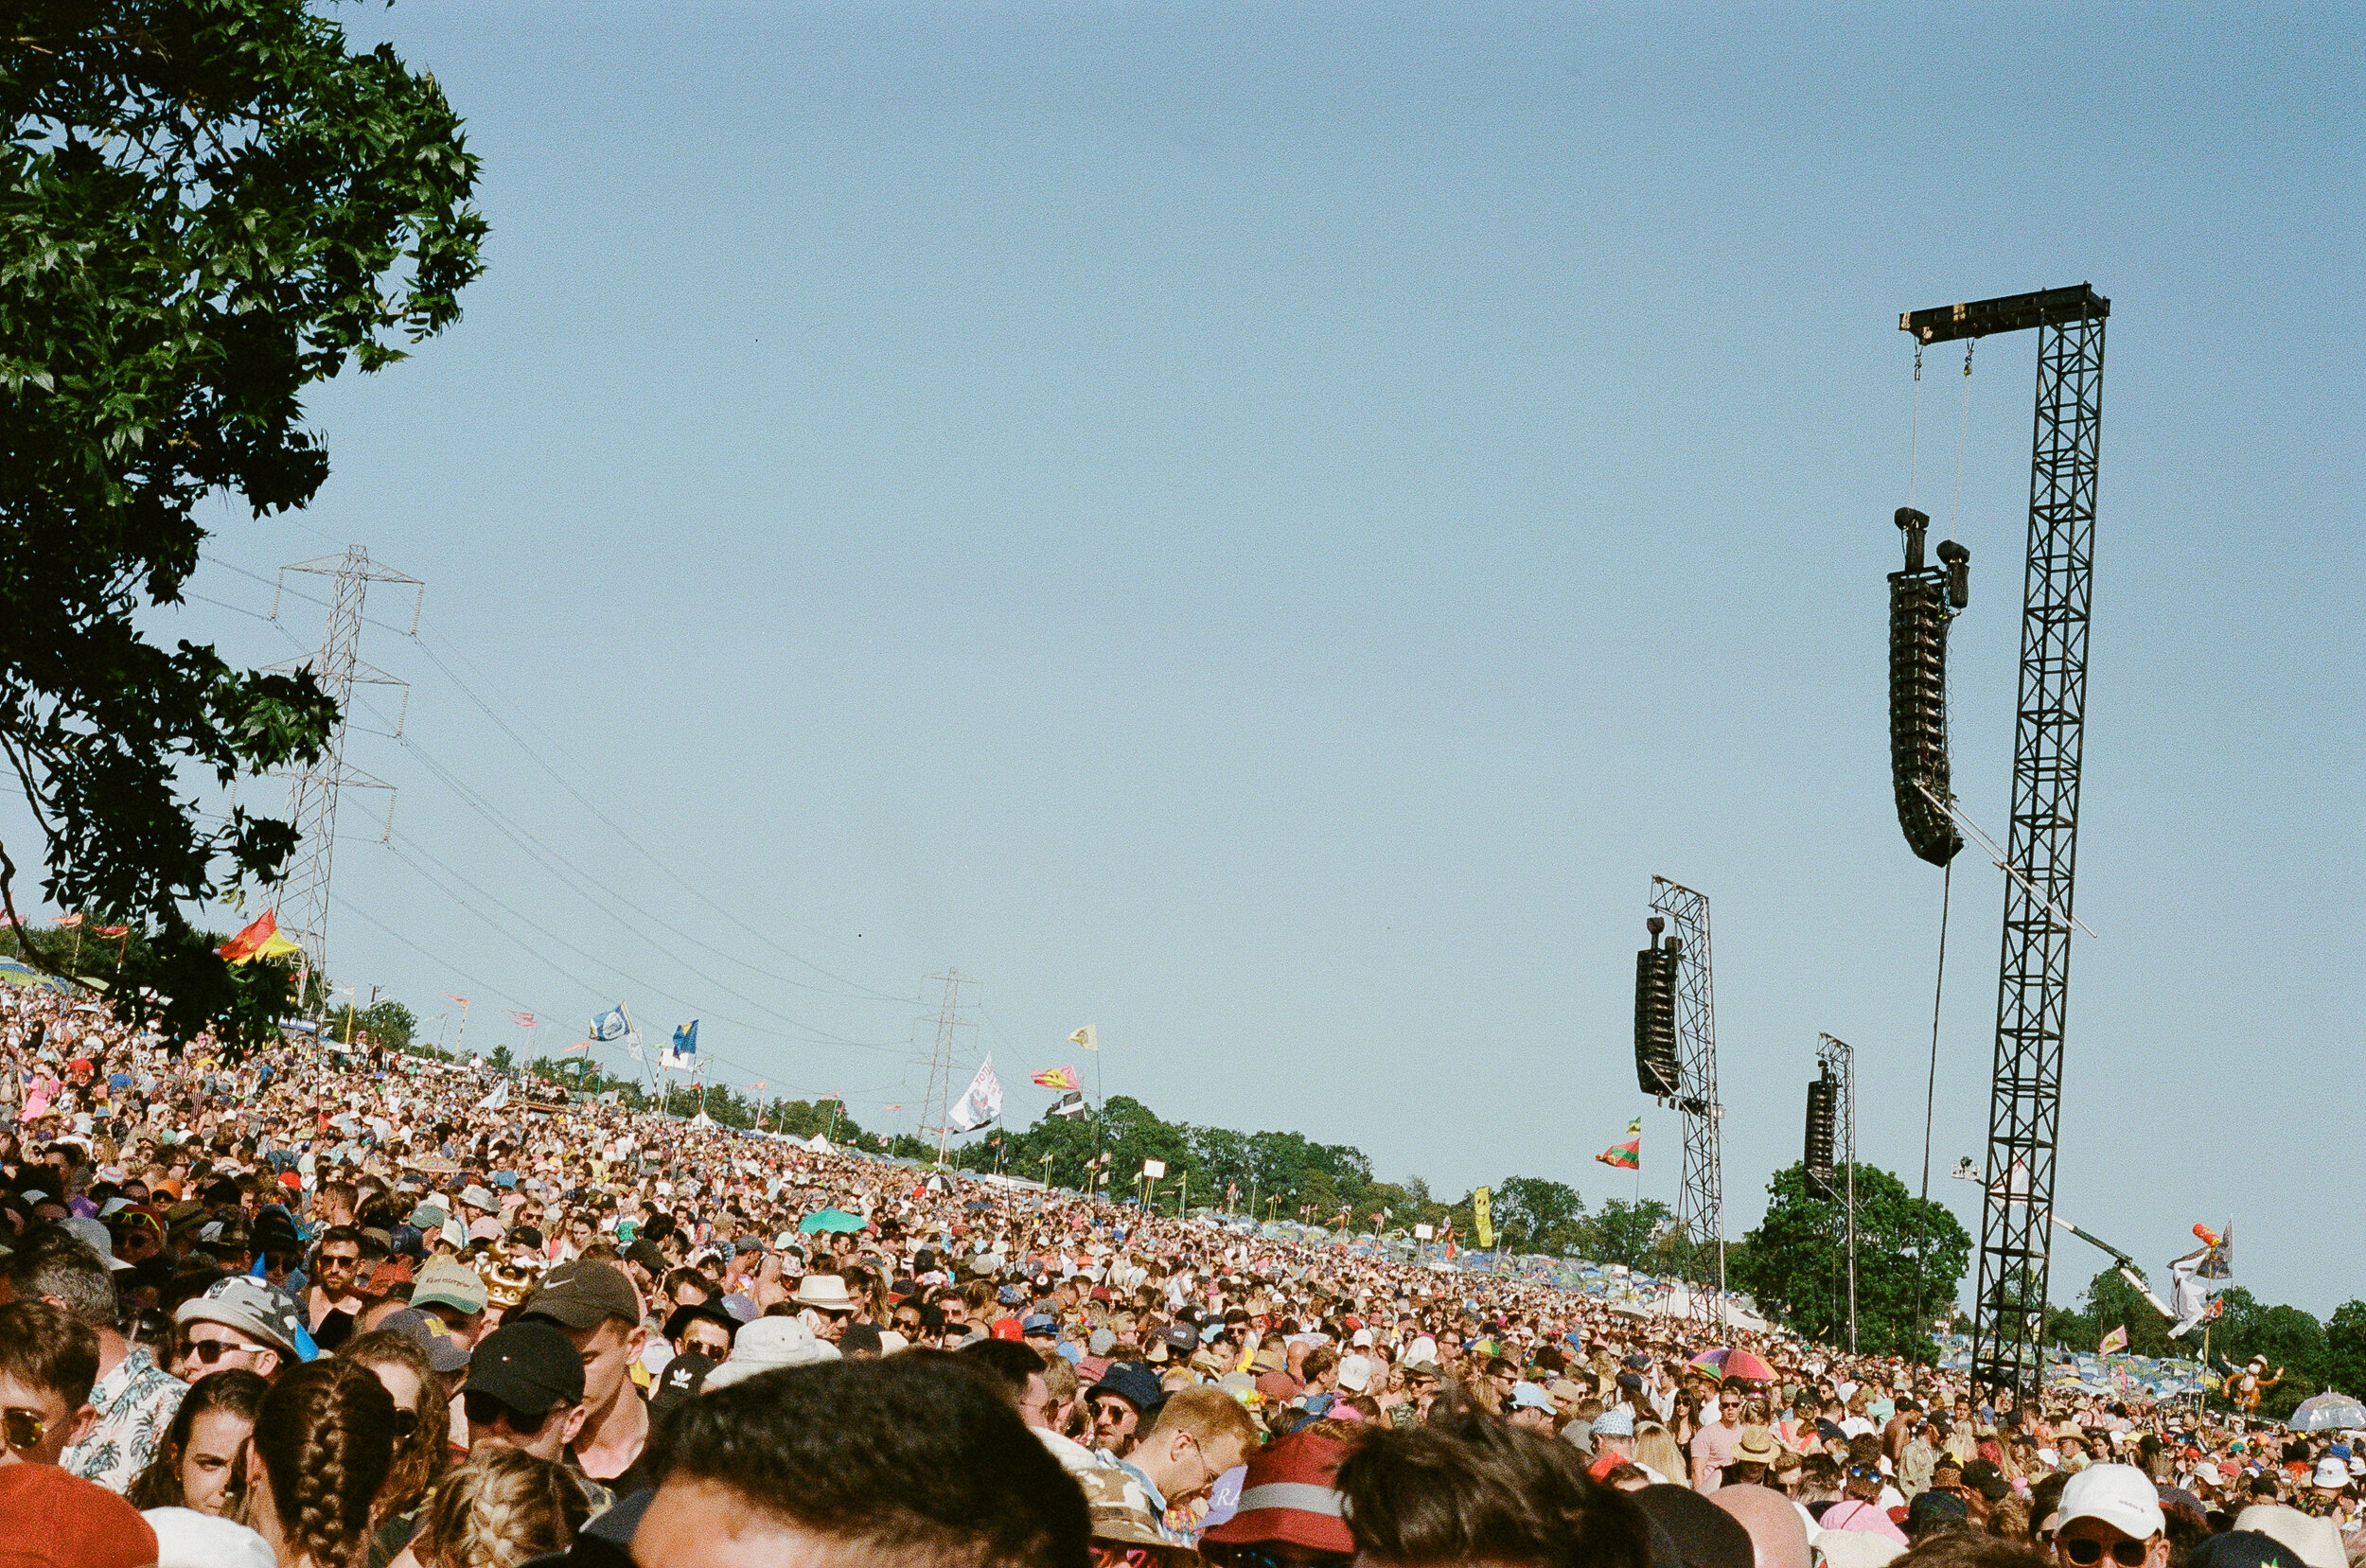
(611,1025)
(685,1053)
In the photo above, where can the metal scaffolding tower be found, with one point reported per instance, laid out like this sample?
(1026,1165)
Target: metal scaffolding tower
(936,1111)
(1701,1203)
(1837,1060)
(302,896)
(2034,980)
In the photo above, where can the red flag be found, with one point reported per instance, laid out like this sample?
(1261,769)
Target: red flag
(249,941)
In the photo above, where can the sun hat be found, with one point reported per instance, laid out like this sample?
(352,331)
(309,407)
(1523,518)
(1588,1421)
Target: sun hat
(2332,1474)
(1756,1447)
(2121,1496)
(1290,1495)
(825,1291)
(766,1345)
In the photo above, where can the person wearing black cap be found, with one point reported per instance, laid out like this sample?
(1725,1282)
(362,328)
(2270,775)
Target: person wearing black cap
(702,1328)
(524,1391)
(596,1309)
(1121,1403)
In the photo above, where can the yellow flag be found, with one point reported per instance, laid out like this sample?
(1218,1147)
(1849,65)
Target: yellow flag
(1483,1219)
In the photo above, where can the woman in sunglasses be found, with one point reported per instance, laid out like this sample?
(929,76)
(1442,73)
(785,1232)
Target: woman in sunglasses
(2111,1511)
(422,1415)
(199,1462)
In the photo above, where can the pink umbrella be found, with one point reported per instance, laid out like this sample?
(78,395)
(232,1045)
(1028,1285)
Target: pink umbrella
(1726,1362)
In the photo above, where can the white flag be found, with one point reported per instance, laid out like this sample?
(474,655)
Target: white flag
(499,1098)
(1086,1038)
(982,1104)
(632,1045)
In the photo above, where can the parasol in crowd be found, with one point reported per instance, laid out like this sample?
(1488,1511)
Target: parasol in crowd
(831,1220)
(1726,1362)
(2328,1412)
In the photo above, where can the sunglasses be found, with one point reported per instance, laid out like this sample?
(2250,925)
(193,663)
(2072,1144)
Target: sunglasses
(23,1429)
(484,1409)
(2085,1551)
(212,1351)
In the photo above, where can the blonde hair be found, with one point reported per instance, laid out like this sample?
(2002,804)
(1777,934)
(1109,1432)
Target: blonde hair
(497,1509)
(1209,1414)
(1656,1447)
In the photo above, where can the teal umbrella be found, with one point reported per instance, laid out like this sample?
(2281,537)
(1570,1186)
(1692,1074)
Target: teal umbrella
(830,1218)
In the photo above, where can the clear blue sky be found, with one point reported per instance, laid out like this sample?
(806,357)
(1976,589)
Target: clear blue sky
(1262,529)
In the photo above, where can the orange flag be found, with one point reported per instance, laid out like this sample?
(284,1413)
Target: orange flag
(263,939)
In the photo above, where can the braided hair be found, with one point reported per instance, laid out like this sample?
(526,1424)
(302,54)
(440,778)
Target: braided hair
(497,1509)
(326,1434)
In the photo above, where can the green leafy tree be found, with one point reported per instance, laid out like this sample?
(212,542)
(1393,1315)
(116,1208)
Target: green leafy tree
(2345,1348)
(501,1060)
(1634,1234)
(2110,1302)
(1535,1215)
(1795,1263)
(205,207)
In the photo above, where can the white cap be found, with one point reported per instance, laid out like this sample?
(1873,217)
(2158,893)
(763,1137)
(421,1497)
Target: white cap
(1355,1374)
(2121,1496)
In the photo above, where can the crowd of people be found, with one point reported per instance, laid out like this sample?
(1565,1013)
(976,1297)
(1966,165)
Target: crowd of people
(277,1308)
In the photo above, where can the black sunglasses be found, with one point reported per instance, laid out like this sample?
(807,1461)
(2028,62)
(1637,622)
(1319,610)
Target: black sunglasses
(484,1409)
(211,1351)
(2086,1550)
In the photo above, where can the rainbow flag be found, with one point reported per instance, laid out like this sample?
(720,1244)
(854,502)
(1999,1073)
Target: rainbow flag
(1627,1156)
(1056,1078)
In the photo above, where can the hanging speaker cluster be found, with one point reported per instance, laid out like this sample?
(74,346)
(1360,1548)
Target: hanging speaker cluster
(1655,1069)
(1924,599)
(1823,1097)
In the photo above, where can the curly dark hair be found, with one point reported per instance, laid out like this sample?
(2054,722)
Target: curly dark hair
(325,1432)
(421,1454)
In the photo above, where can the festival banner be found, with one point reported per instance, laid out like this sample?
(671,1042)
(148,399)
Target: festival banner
(1627,1156)
(611,1025)
(1085,1039)
(1483,1217)
(1056,1078)
(684,1057)
(2114,1341)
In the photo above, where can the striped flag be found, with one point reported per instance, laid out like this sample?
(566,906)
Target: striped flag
(1627,1156)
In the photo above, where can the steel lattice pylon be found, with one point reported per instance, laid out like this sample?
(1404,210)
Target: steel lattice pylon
(2033,990)
(302,896)
(1701,1202)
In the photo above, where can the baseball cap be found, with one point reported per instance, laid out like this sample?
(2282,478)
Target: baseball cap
(444,1353)
(94,1235)
(1617,1421)
(445,1283)
(1039,1323)
(1529,1396)
(2121,1496)
(581,1294)
(529,1366)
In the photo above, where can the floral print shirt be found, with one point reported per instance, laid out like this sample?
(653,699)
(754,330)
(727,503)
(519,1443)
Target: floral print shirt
(136,1403)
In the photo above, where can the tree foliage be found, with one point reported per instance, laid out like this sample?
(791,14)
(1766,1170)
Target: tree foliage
(205,206)
(1795,1262)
